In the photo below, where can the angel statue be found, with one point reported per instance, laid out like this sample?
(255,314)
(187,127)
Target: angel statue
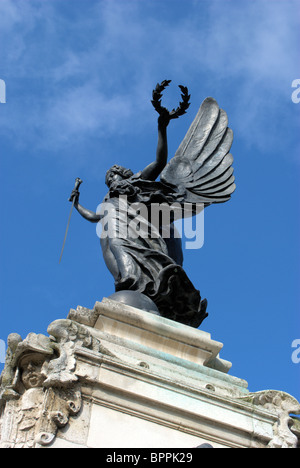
(150,266)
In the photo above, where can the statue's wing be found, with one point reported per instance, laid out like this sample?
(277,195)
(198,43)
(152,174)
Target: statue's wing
(202,165)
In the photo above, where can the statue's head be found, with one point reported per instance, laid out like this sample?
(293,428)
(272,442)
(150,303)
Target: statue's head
(31,370)
(117,173)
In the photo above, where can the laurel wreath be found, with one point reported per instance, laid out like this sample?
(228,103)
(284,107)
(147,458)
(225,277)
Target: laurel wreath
(174,113)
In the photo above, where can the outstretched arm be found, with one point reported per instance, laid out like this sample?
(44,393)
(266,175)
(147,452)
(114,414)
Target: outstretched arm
(85,213)
(152,171)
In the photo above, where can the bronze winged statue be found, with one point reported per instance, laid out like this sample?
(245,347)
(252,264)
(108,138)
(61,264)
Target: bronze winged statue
(200,173)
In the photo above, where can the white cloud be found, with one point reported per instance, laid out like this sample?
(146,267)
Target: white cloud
(92,73)
(85,110)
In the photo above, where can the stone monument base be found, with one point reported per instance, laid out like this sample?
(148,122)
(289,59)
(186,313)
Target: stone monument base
(119,377)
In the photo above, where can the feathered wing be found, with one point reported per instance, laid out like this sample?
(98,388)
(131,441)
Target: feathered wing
(202,165)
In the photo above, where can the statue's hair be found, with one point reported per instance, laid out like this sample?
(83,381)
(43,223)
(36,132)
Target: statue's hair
(125,173)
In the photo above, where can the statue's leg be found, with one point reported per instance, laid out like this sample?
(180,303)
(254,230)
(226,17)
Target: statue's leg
(109,258)
(117,260)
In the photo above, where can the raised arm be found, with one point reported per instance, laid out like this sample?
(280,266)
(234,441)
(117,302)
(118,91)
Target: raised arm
(152,171)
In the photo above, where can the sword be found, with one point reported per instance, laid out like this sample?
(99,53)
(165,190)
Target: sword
(76,187)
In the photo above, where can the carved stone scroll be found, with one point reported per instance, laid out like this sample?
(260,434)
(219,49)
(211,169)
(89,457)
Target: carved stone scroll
(283,405)
(39,389)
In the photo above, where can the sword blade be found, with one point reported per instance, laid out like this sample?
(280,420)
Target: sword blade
(66,233)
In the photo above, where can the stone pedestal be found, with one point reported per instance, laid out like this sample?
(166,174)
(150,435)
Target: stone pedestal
(119,377)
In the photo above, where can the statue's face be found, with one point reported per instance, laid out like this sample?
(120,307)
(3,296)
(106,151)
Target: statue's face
(31,373)
(113,177)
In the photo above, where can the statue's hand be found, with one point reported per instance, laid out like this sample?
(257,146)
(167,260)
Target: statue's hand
(75,192)
(164,118)
(74,196)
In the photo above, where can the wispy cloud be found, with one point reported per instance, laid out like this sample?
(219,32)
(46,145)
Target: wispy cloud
(75,73)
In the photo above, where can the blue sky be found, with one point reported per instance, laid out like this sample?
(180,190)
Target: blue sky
(79,76)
